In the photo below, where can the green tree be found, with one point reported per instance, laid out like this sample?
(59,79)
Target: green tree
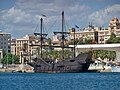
(38,52)
(104,54)
(49,41)
(9,58)
(81,41)
(25,47)
(55,54)
(71,42)
(88,41)
(113,39)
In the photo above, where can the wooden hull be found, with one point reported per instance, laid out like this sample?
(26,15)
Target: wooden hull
(78,64)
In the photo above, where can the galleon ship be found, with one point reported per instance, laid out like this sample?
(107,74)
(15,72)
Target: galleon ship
(79,63)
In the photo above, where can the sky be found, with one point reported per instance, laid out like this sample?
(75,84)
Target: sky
(21,17)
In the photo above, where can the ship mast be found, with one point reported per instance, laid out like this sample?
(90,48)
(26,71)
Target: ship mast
(63,35)
(74,44)
(41,37)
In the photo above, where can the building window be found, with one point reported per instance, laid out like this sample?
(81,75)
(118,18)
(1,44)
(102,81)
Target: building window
(8,46)
(101,39)
(106,33)
(8,51)
(1,38)
(4,42)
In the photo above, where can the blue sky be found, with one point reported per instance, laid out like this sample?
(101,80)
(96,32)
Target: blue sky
(20,17)
(6,4)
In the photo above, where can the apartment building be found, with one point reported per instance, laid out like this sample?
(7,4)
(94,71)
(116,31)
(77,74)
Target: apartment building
(13,46)
(5,42)
(1,54)
(29,44)
(97,34)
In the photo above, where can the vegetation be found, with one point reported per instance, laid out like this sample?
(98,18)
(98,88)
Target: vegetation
(9,59)
(81,41)
(104,54)
(71,42)
(38,52)
(25,47)
(113,39)
(55,54)
(49,41)
(100,53)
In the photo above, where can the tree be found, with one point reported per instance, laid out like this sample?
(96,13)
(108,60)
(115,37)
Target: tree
(9,59)
(25,47)
(113,39)
(88,41)
(71,42)
(104,54)
(57,54)
(49,41)
(38,52)
(113,35)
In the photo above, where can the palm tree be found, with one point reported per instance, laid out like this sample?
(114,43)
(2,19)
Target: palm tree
(25,51)
(38,52)
(25,47)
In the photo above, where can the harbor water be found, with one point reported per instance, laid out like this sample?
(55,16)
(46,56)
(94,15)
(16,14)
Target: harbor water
(60,81)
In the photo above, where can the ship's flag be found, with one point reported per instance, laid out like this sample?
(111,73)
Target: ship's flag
(76,26)
(44,15)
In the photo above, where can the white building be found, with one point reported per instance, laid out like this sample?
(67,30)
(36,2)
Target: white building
(98,34)
(1,54)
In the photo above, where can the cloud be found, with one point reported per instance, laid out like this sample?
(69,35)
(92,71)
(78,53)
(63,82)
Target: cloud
(24,16)
(102,17)
(15,20)
(49,7)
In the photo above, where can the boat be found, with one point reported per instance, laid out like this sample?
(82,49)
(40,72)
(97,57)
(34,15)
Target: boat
(116,67)
(99,65)
(76,64)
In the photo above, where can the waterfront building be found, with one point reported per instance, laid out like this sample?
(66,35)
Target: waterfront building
(26,47)
(17,46)
(97,34)
(13,46)
(56,42)
(1,54)
(20,44)
(5,42)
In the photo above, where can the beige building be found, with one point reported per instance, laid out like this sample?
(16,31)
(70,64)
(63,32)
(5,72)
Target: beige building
(13,46)
(31,44)
(98,34)
(55,41)
(18,45)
